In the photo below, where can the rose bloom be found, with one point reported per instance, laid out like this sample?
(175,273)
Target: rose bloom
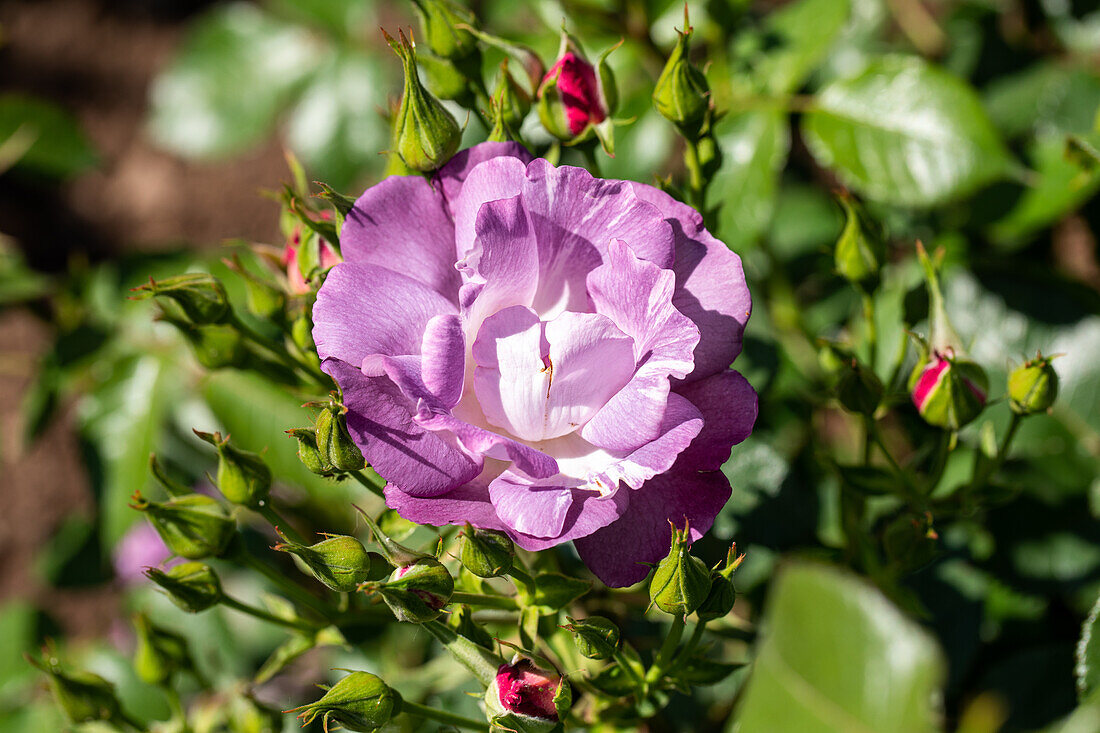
(534,350)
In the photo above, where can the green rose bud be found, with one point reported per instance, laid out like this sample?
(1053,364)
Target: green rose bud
(1033,387)
(682,95)
(860,250)
(159,653)
(949,392)
(439,21)
(340,562)
(358,702)
(308,452)
(858,389)
(487,553)
(193,586)
(462,621)
(719,602)
(333,440)
(681,582)
(425,133)
(192,526)
(416,593)
(82,696)
(199,295)
(596,637)
(243,477)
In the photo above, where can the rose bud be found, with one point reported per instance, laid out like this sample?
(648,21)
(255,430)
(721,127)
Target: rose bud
(524,698)
(192,526)
(719,602)
(596,637)
(358,702)
(425,133)
(487,553)
(200,296)
(440,21)
(340,562)
(159,653)
(416,593)
(576,97)
(333,440)
(949,392)
(1033,387)
(462,621)
(243,477)
(83,697)
(858,389)
(308,452)
(681,582)
(682,95)
(193,586)
(860,249)
(304,255)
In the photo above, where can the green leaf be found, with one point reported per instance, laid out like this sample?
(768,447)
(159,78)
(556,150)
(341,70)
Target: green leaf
(838,657)
(41,138)
(554,591)
(336,125)
(236,70)
(1048,96)
(1088,655)
(755,146)
(800,35)
(905,132)
(1062,187)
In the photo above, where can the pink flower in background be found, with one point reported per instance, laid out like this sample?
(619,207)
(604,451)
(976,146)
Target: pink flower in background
(329,258)
(541,352)
(139,548)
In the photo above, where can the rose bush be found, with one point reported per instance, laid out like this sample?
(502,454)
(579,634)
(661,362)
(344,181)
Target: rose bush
(534,350)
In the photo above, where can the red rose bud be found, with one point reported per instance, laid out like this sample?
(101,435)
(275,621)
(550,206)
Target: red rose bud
(575,96)
(425,133)
(416,593)
(306,254)
(193,586)
(950,392)
(243,477)
(82,696)
(358,702)
(1033,387)
(339,562)
(201,297)
(192,526)
(525,698)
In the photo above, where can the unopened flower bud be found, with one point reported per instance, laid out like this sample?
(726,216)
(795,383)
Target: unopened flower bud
(527,699)
(193,586)
(682,95)
(416,593)
(860,250)
(306,254)
(340,562)
(719,602)
(308,452)
(358,702)
(159,653)
(1033,387)
(949,392)
(596,637)
(425,133)
(243,477)
(439,21)
(462,621)
(200,296)
(83,697)
(858,389)
(487,553)
(333,440)
(681,582)
(572,96)
(192,526)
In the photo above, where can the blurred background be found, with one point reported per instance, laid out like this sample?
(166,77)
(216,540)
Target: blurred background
(137,139)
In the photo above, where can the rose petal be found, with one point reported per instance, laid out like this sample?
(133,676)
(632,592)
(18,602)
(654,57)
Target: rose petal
(729,406)
(451,177)
(495,179)
(479,441)
(506,269)
(402,224)
(468,503)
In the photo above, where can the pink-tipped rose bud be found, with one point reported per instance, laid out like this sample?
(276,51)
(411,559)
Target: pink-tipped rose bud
(948,391)
(575,96)
(298,263)
(526,698)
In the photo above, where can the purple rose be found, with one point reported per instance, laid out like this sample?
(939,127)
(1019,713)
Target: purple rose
(534,350)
